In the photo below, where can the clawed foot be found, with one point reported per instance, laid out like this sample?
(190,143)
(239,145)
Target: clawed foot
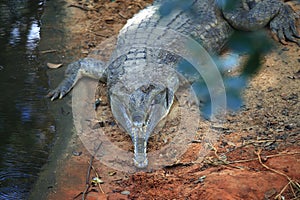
(283,26)
(59,92)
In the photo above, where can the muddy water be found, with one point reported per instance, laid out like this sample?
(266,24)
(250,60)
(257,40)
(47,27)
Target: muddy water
(27,127)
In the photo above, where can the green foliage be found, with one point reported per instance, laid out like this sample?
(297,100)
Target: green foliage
(169,5)
(255,44)
(227,5)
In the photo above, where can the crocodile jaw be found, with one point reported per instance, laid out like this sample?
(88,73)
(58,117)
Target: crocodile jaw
(140,147)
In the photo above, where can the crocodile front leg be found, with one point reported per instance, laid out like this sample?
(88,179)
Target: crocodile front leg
(250,15)
(84,67)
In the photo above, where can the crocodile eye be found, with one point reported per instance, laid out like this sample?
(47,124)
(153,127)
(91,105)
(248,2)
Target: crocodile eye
(158,98)
(167,97)
(162,99)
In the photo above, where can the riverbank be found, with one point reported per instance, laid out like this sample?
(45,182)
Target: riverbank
(52,49)
(255,157)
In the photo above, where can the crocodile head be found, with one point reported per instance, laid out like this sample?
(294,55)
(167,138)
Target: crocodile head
(139,112)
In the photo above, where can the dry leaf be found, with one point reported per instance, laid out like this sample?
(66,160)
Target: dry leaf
(112,173)
(54,66)
(97,180)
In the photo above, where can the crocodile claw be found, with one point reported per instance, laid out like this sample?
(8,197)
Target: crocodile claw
(59,93)
(283,26)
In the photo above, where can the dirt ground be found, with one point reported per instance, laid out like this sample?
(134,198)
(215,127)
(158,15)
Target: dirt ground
(257,155)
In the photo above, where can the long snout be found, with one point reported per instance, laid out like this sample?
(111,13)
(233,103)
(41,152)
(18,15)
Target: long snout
(139,138)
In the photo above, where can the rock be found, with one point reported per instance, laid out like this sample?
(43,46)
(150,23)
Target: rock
(125,192)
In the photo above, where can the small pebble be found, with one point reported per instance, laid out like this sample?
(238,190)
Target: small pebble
(101,124)
(200,180)
(289,127)
(297,75)
(52,129)
(97,103)
(125,192)
(76,153)
(285,112)
(112,123)
(84,52)
(270,193)
(98,125)
(270,89)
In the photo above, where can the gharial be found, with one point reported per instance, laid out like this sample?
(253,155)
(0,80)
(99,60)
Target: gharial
(140,85)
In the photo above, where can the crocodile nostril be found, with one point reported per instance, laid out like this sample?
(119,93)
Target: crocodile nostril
(137,120)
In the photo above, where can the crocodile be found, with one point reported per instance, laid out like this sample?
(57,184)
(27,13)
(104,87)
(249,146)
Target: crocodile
(141,84)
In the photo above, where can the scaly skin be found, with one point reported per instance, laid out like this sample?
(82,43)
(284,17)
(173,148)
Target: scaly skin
(140,77)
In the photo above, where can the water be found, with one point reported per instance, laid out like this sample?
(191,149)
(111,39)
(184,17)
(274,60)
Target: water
(26,124)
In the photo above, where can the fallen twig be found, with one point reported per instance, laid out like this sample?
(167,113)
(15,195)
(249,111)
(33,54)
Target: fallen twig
(180,164)
(269,156)
(271,169)
(48,51)
(221,160)
(97,175)
(122,15)
(253,142)
(101,35)
(85,8)
(87,180)
(291,182)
